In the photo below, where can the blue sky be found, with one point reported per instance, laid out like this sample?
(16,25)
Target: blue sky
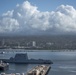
(37,17)
(43,5)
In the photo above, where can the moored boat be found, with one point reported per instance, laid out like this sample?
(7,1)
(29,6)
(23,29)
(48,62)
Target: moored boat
(4,66)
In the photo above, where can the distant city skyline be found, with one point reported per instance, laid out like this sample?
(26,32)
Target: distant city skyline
(37,17)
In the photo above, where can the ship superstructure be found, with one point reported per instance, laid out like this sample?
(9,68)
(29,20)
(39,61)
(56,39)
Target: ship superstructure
(21,58)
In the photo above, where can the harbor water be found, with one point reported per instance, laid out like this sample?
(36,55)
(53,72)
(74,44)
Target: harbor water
(64,63)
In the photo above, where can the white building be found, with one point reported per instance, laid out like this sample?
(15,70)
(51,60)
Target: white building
(34,44)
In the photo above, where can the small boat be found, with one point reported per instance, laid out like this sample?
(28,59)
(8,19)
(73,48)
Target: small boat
(2,52)
(4,66)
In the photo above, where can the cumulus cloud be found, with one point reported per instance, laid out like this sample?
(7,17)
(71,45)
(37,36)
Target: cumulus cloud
(28,19)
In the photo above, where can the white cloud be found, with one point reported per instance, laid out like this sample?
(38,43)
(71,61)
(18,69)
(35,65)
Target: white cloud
(8,24)
(28,19)
(9,13)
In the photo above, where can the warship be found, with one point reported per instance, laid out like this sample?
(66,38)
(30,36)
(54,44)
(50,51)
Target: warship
(22,58)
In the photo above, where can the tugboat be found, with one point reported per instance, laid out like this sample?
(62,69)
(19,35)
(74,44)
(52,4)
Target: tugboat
(2,52)
(4,66)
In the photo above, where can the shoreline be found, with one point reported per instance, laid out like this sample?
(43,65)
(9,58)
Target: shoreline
(33,50)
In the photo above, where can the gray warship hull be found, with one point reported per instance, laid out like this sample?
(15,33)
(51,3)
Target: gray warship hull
(23,59)
(28,61)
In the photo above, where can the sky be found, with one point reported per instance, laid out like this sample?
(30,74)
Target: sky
(37,17)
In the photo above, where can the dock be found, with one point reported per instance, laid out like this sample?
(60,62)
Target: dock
(39,70)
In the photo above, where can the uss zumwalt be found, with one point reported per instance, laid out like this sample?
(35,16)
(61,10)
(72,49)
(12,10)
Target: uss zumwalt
(22,58)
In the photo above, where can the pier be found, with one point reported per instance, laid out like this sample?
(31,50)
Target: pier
(39,70)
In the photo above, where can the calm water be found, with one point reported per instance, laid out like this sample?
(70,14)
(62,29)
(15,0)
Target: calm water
(64,62)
